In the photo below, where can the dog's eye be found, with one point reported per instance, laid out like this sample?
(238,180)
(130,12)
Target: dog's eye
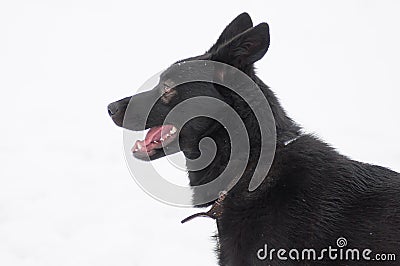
(167,89)
(167,94)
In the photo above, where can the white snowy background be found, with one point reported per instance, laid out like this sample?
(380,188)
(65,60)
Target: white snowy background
(66,195)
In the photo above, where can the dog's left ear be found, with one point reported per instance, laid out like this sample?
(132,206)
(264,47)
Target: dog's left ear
(246,48)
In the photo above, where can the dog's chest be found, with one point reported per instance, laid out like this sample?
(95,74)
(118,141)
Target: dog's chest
(239,238)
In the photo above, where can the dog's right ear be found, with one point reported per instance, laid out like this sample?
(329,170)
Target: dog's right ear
(245,49)
(240,24)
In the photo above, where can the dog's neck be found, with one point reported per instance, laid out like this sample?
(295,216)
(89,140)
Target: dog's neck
(286,128)
(286,131)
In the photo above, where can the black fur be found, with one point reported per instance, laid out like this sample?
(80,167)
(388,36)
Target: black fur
(312,195)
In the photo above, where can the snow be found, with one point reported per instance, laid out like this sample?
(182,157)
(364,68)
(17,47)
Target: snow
(66,195)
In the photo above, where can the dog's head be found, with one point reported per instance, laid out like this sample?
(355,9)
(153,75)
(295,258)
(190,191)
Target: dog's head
(240,45)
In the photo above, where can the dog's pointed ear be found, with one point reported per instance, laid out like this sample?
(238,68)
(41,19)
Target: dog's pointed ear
(246,48)
(240,24)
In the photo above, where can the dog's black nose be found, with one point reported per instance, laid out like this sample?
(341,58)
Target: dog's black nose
(112,109)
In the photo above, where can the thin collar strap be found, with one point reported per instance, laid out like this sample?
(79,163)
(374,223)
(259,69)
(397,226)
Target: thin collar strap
(215,212)
(291,140)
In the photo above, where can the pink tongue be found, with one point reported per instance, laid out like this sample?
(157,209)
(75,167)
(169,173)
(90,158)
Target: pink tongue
(155,133)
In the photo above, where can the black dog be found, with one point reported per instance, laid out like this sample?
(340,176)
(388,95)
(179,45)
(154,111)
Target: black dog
(311,196)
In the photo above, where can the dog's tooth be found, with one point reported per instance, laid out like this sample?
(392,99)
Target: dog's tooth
(173,130)
(168,135)
(139,146)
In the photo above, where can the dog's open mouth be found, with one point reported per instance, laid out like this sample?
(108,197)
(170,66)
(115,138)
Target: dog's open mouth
(156,138)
